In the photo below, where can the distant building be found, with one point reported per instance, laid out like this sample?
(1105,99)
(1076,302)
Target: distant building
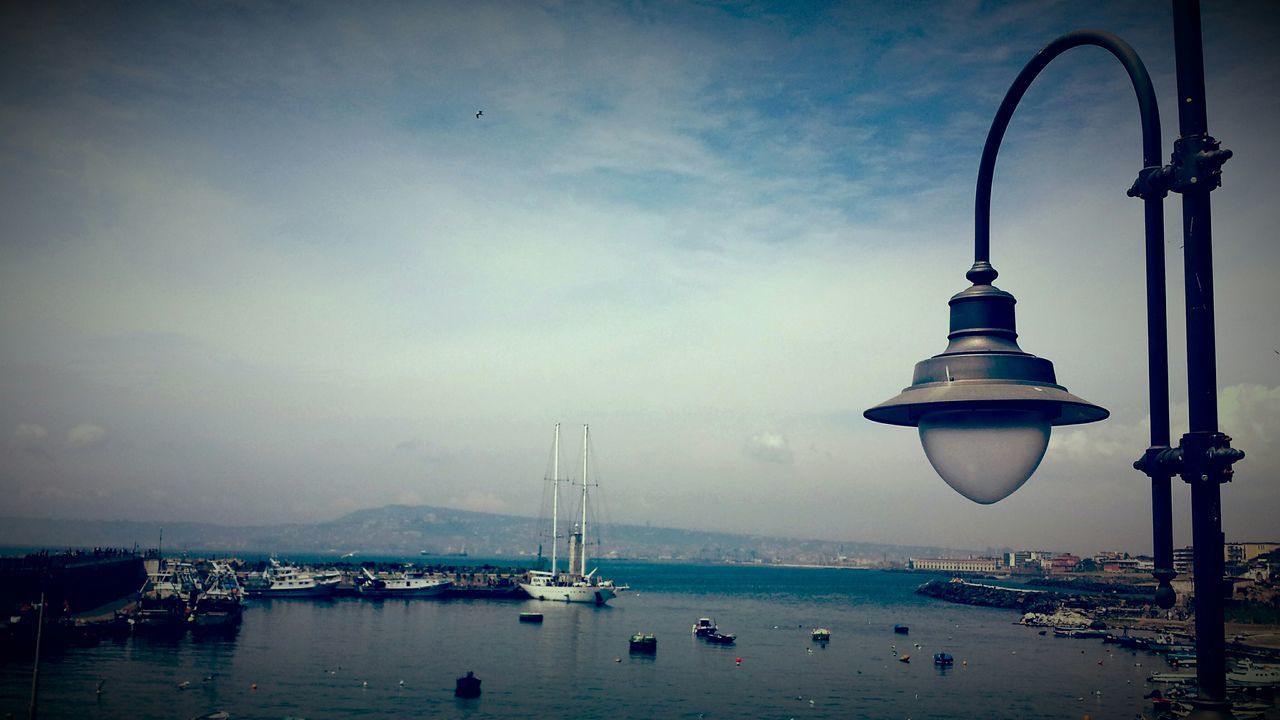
(976,565)
(1062,563)
(1120,565)
(1184,559)
(1239,553)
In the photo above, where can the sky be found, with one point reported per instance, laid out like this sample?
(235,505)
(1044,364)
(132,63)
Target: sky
(262,262)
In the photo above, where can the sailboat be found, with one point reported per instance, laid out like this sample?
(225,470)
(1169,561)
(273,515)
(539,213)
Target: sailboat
(575,585)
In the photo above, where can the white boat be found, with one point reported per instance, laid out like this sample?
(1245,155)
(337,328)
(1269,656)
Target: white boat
(406,584)
(575,585)
(1252,674)
(280,580)
(329,577)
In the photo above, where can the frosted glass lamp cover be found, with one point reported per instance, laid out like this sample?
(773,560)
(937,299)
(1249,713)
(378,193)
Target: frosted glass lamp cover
(985,454)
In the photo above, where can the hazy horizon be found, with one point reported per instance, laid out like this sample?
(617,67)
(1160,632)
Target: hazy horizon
(264,263)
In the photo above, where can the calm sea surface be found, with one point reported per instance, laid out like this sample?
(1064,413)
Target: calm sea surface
(347,658)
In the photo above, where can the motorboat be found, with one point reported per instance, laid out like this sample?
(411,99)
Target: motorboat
(704,626)
(820,634)
(942,659)
(719,638)
(409,583)
(281,580)
(1251,674)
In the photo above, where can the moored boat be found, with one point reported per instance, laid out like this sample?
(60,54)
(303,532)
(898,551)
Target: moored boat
(704,626)
(901,629)
(530,617)
(576,585)
(1252,674)
(281,580)
(942,659)
(719,638)
(644,643)
(408,584)
(820,634)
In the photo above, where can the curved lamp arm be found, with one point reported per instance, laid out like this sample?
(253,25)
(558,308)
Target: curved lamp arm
(1152,186)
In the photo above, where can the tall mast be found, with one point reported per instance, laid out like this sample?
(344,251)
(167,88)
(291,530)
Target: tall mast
(582,538)
(555,499)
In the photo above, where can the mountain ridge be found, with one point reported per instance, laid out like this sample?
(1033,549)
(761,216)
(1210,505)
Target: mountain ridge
(405,530)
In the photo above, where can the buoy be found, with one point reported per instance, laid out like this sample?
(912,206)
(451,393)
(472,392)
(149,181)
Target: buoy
(401,683)
(617,659)
(737,661)
(253,686)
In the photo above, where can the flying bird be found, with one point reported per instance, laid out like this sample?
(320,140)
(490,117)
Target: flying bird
(479,113)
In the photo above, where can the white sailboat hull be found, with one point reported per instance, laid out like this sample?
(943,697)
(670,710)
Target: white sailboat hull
(594,594)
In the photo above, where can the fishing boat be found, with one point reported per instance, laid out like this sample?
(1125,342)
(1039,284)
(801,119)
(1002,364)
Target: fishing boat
(163,598)
(820,634)
(408,584)
(575,585)
(220,602)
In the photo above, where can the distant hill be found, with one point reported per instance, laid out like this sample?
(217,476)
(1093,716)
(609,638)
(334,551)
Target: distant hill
(403,530)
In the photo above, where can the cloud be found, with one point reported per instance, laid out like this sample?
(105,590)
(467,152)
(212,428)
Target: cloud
(770,447)
(1249,413)
(28,434)
(86,435)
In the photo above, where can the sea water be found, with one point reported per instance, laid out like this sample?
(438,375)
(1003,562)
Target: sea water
(399,658)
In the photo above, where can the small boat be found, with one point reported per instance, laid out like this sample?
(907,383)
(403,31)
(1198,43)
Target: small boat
(468,686)
(901,629)
(1172,677)
(904,659)
(644,643)
(1251,674)
(821,634)
(942,659)
(530,617)
(704,627)
(719,638)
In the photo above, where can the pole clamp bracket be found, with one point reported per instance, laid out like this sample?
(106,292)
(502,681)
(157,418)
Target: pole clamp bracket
(1152,183)
(1208,457)
(1197,163)
(1160,461)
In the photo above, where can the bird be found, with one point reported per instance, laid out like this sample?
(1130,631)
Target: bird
(479,113)
(100,684)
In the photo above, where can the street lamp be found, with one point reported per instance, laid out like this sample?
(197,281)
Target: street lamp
(985,409)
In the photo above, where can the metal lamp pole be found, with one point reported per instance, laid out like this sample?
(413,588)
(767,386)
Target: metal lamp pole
(983,377)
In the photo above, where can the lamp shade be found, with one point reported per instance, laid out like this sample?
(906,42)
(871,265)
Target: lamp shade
(984,407)
(985,454)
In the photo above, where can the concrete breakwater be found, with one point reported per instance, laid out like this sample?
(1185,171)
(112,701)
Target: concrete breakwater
(968,593)
(1041,602)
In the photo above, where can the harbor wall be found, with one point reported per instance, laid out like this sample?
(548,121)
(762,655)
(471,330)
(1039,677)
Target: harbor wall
(72,583)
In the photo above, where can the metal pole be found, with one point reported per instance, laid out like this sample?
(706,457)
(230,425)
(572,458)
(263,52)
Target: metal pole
(35,670)
(1207,456)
